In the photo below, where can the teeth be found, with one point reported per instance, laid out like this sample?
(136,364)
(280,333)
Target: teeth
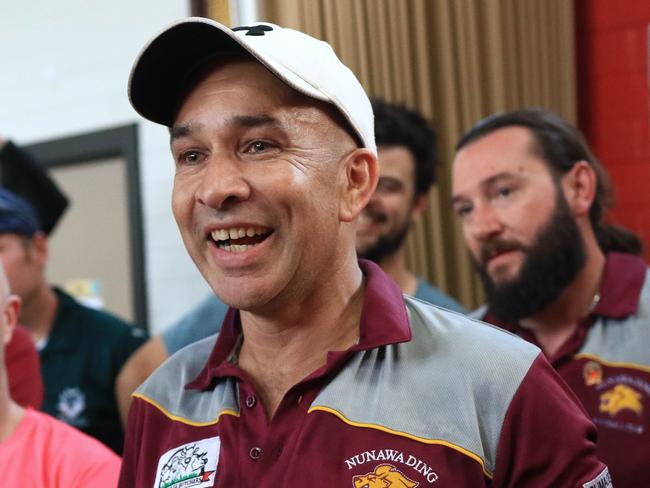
(221,236)
(236,248)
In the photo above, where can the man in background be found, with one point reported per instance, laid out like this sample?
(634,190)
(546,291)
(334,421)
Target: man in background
(407,170)
(35,449)
(81,349)
(531,198)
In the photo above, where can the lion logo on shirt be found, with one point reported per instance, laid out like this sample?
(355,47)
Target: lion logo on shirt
(384,476)
(619,398)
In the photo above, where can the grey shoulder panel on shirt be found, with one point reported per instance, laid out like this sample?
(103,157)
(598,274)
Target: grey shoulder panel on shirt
(623,340)
(452,383)
(166,387)
(479,313)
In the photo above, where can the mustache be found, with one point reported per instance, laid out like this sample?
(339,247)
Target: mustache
(497,246)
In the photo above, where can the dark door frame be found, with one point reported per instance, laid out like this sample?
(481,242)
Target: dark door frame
(119,142)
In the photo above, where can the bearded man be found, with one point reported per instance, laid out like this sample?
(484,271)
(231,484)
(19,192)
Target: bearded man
(531,195)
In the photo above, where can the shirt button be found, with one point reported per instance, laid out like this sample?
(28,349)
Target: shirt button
(255,453)
(251,401)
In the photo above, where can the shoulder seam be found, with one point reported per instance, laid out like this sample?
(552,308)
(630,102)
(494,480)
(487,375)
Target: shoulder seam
(178,418)
(615,364)
(423,440)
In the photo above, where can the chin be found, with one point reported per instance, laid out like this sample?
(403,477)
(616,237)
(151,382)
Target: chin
(503,276)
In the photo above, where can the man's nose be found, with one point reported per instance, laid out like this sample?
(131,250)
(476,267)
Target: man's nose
(485,223)
(223,183)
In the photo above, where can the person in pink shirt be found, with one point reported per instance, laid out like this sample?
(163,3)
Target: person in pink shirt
(37,450)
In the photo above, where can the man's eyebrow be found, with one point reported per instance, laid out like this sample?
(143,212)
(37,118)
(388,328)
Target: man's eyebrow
(248,121)
(179,131)
(254,120)
(504,175)
(492,180)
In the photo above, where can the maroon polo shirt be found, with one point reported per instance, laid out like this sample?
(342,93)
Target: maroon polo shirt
(24,370)
(427,398)
(606,362)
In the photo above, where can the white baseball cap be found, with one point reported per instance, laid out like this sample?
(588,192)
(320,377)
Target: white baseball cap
(306,64)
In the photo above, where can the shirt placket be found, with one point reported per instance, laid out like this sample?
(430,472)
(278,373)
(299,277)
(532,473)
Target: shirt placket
(266,446)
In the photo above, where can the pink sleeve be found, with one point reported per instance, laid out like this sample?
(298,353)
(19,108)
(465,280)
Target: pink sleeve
(80,459)
(547,439)
(102,472)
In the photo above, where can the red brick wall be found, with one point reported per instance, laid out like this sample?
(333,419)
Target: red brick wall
(613,100)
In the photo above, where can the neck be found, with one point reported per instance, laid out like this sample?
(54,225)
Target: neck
(395,267)
(555,324)
(282,348)
(38,311)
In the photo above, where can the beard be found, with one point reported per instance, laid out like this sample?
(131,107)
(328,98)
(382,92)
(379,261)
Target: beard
(385,245)
(550,264)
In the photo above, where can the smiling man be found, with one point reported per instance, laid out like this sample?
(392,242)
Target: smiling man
(531,198)
(406,149)
(324,373)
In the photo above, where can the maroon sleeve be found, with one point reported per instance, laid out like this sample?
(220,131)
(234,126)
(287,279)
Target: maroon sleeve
(132,438)
(547,439)
(24,370)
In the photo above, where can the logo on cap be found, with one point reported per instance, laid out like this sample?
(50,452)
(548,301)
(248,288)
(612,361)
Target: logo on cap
(255,30)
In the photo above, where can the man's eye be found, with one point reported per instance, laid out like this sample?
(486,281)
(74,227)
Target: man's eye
(190,157)
(258,147)
(463,210)
(502,193)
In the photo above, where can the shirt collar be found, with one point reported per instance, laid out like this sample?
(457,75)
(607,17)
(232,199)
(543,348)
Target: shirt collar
(384,321)
(621,284)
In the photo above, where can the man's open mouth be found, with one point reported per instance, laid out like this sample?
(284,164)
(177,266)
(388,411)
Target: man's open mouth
(239,239)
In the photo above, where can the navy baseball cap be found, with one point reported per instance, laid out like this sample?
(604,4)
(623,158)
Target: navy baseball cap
(17,216)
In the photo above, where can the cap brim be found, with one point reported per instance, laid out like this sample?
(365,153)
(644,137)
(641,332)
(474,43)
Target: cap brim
(161,68)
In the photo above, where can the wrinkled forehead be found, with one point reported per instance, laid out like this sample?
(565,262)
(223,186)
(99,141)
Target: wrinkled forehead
(509,150)
(264,92)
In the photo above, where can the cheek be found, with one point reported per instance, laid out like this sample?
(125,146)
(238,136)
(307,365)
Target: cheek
(470,242)
(182,206)
(525,222)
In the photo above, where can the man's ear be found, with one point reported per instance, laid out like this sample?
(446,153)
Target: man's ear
(39,248)
(579,186)
(420,204)
(359,180)
(10,314)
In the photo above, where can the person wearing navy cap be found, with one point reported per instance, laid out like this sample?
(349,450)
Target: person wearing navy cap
(81,349)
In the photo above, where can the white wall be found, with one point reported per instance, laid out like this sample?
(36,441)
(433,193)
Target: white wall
(64,66)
